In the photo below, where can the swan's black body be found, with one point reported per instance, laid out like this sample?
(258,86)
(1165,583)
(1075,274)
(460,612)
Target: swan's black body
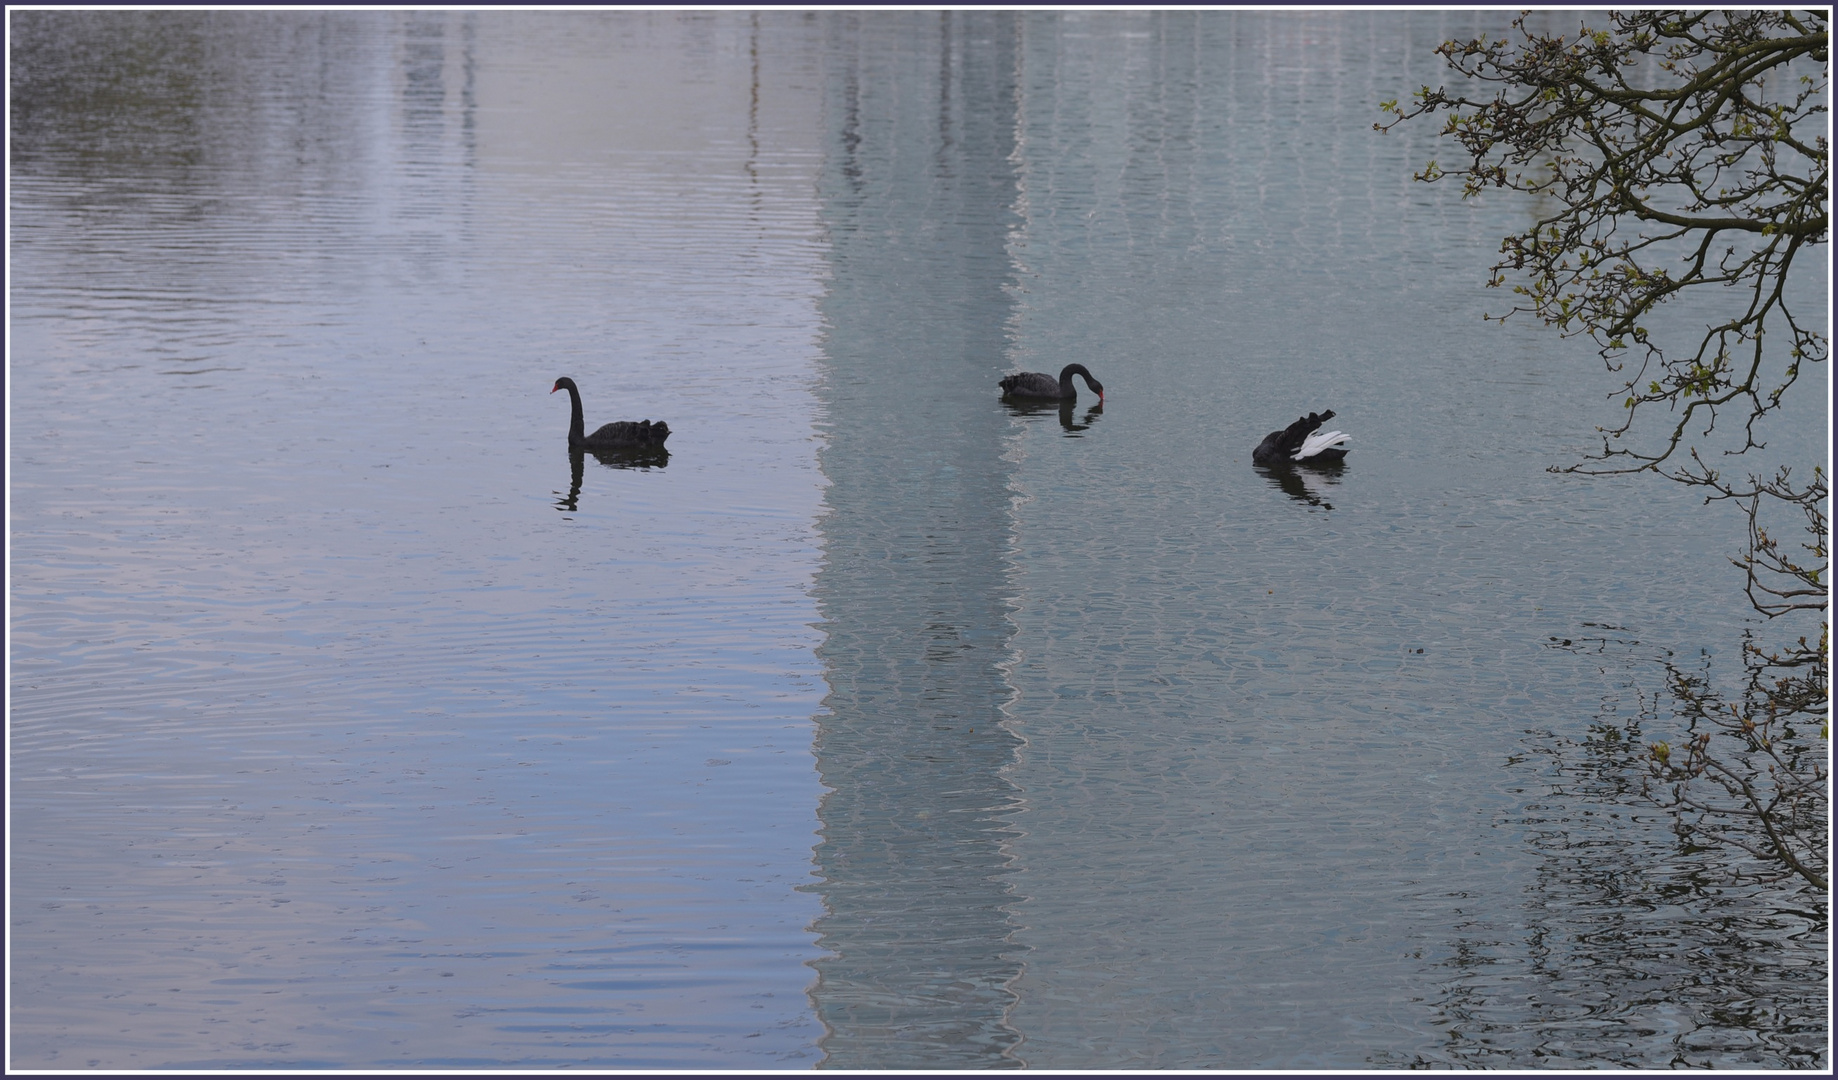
(618,435)
(1292,445)
(1036,386)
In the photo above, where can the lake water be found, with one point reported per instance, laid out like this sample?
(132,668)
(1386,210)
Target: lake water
(880,724)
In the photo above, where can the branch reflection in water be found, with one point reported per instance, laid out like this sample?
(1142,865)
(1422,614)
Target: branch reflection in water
(1593,954)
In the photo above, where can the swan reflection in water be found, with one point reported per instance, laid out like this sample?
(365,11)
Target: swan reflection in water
(644,458)
(1063,408)
(1294,480)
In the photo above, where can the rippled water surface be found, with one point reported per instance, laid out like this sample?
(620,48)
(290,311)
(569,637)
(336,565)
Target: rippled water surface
(878,724)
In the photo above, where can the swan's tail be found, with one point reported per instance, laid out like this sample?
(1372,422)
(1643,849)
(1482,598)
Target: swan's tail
(1320,441)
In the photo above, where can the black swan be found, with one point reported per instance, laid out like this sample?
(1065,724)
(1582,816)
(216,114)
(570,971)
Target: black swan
(1033,384)
(618,435)
(1300,442)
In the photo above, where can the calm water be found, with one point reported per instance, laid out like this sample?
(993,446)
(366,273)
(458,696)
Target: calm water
(354,725)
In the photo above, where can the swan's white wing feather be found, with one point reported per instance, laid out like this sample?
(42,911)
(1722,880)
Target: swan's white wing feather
(1319,441)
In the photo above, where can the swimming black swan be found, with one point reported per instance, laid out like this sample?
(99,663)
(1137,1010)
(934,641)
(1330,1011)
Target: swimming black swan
(618,435)
(1300,442)
(1033,384)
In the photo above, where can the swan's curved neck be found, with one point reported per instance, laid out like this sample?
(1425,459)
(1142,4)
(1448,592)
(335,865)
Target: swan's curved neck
(577,427)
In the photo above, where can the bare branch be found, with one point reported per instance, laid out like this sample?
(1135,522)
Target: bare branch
(1694,128)
(1658,141)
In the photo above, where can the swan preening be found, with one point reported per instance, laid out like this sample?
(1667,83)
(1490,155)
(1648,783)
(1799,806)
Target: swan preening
(1302,443)
(1038,386)
(618,435)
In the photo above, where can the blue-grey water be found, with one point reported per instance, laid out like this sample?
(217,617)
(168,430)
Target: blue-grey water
(353,725)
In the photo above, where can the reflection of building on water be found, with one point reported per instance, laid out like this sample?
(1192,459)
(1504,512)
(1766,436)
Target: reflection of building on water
(915,575)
